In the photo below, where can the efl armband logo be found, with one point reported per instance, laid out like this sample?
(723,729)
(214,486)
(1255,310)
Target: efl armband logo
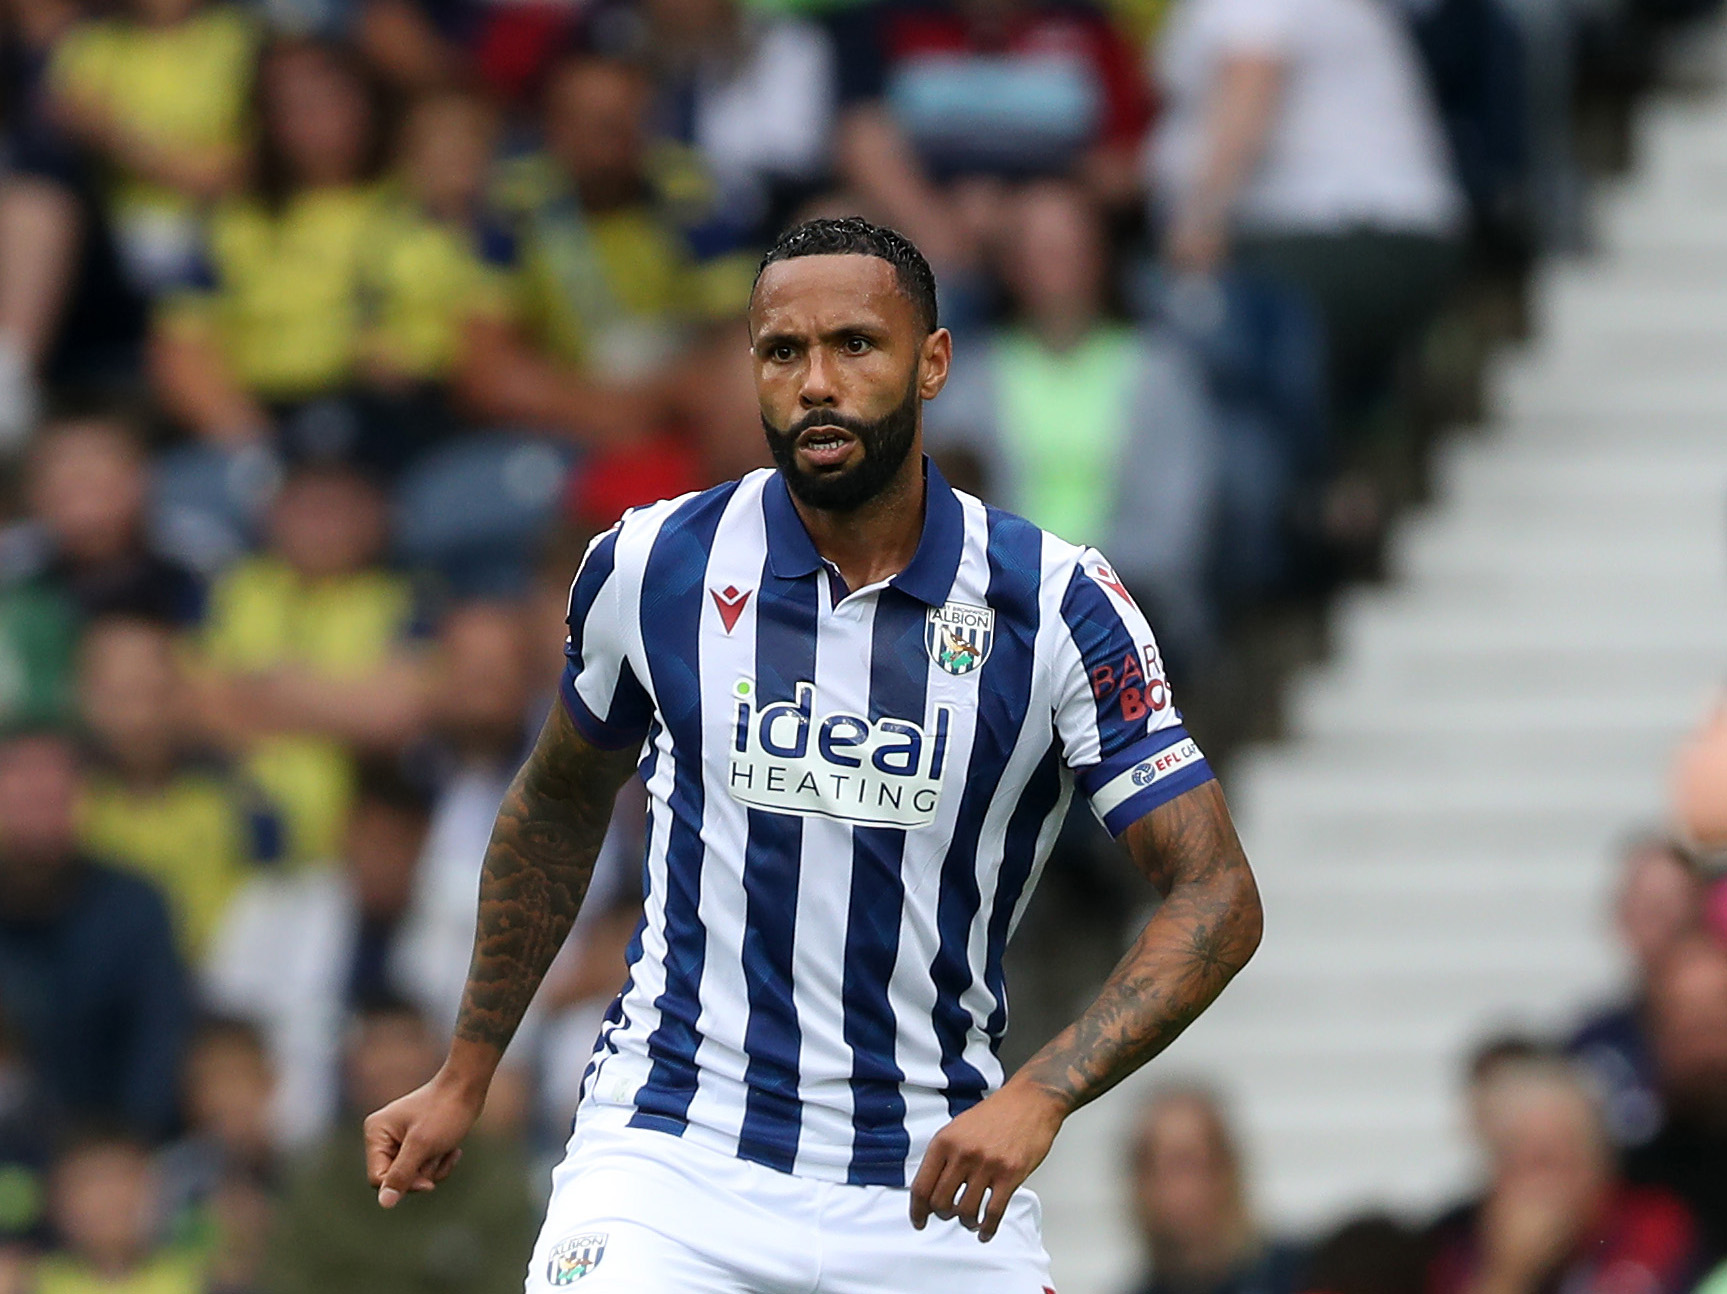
(884,772)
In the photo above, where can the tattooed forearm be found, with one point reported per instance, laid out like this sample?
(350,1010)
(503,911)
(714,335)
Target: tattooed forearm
(536,873)
(1202,934)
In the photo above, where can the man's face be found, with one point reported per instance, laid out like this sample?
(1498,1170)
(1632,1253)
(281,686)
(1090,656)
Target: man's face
(594,121)
(842,366)
(38,792)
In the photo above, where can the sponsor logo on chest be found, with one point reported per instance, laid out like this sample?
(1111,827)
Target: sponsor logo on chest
(786,757)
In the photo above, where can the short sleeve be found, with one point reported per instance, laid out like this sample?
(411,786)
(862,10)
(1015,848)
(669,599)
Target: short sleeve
(599,687)
(1120,731)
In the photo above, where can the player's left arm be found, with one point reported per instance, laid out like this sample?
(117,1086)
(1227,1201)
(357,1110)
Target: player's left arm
(1202,934)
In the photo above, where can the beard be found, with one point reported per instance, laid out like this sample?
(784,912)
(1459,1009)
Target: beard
(885,442)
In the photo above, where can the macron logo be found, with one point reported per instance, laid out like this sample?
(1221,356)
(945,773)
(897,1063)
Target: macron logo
(730,602)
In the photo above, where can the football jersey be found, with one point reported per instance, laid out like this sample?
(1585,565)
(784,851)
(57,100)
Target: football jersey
(850,796)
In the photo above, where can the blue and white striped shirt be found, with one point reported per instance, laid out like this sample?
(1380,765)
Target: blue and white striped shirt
(851,794)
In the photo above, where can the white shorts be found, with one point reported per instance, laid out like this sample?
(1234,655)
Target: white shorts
(635,1211)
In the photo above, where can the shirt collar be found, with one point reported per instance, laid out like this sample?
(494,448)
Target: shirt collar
(928,577)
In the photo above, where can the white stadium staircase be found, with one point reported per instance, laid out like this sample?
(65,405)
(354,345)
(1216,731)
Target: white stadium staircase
(1434,840)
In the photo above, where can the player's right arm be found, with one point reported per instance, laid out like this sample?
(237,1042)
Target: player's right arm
(535,876)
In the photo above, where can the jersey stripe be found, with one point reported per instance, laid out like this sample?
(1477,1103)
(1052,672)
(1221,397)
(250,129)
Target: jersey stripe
(899,676)
(785,657)
(1001,709)
(671,613)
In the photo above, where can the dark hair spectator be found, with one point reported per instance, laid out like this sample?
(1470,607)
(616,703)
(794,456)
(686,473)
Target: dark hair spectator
(88,972)
(154,802)
(295,955)
(1190,1200)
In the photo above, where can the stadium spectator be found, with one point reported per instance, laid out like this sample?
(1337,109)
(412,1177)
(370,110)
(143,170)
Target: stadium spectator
(130,122)
(1687,1001)
(152,803)
(478,715)
(751,91)
(483,700)
(1067,412)
(87,537)
(1190,1198)
(88,973)
(82,552)
(1659,904)
(1555,1213)
(107,1213)
(308,655)
(949,103)
(260,343)
(433,261)
(218,1179)
(473,1233)
(1298,141)
(297,953)
(616,269)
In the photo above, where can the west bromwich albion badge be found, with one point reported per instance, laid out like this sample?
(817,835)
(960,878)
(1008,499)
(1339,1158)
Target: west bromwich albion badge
(575,1258)
(959,636)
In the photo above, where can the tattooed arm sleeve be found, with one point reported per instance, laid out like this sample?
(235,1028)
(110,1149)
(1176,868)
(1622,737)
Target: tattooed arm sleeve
(536,873)
(1203,933)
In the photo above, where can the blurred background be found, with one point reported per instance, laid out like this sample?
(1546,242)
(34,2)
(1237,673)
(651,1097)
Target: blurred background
(1378,342)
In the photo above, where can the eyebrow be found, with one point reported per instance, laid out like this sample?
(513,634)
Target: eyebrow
(786,336)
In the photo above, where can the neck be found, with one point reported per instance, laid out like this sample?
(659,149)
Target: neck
(877,540)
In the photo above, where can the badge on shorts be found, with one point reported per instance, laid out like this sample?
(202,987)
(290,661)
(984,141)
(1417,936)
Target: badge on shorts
(959,636)
(575,1258)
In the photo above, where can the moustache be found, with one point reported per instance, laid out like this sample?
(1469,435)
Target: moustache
(859,427)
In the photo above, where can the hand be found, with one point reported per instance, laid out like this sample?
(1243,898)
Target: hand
(414,1141)
(993,1147)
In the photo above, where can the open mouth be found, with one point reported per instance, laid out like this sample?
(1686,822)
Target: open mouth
(825,446)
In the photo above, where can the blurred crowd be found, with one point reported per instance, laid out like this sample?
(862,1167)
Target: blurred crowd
(1600,1152)
(331,329)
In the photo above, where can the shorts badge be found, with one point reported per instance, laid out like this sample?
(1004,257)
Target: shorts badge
(959,636)
(575,1258)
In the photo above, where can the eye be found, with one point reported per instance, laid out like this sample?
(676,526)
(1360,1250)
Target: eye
(857,345)
(783,353)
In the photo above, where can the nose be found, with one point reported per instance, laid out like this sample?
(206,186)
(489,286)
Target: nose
(819,390)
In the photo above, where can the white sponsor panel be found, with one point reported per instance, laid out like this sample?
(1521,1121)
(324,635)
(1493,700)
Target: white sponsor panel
(786,757)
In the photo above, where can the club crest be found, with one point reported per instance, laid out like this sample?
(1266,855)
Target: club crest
(575,1258)
(959,636)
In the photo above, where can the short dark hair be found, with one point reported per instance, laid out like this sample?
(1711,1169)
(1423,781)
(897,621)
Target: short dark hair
(855,236)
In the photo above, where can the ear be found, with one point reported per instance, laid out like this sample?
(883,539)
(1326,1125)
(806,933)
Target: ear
(933,362)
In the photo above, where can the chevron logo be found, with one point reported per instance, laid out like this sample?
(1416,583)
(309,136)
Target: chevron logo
(730,602)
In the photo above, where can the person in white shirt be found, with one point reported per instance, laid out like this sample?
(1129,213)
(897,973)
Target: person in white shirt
(1299,140)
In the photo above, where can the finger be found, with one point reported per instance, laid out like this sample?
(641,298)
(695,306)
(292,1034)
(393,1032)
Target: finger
(934,1160)
(970,1202)
(407,1169)
(947,1186)
(381,1148)
(437,1171)
(999,1195)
